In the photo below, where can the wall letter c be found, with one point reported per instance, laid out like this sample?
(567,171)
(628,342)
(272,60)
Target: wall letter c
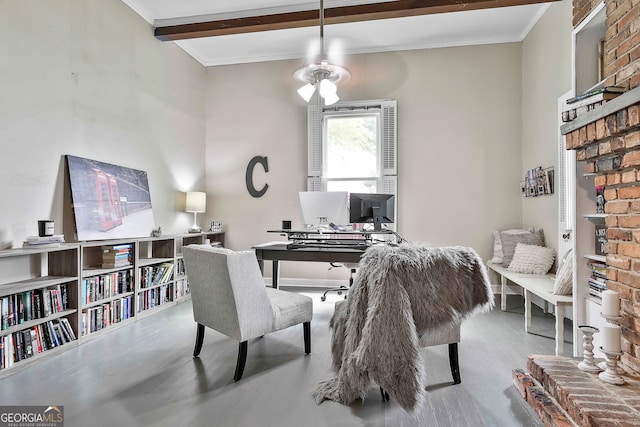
(249,176)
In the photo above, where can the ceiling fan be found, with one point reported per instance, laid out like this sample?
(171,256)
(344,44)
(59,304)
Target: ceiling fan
(321,75)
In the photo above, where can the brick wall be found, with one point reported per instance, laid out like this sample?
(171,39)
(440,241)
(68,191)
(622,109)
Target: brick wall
(622,43)
(610,146)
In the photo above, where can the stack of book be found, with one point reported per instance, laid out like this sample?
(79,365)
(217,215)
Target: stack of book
(47,241)
(117,256)
(24,344)
(591,99)
(598,279)
(33,304)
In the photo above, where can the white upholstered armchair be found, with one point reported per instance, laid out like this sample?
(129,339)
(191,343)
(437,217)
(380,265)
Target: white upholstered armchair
(229,295)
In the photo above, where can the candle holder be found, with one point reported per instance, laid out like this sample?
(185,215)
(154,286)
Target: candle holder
(613,320)
(587,365)
(610,318)
(611,373)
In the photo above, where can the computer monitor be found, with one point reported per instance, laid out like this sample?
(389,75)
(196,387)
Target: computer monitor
(324,207)
(371,208)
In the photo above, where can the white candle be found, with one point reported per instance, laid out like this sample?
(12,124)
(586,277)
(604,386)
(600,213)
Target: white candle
(612,338)
(610,303)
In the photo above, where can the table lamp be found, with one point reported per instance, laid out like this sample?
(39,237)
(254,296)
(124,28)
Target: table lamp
(196,202)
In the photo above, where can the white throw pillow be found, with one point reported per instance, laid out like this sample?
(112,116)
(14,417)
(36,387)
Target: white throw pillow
(532,259)
(563,284)
(498,255)
(509,242)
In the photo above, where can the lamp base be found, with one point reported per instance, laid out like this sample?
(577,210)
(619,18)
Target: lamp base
(195,229)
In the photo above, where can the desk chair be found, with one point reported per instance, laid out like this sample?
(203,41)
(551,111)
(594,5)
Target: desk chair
(229,295)
(343,288)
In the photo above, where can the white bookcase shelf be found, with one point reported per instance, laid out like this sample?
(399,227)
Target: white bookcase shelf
(90,299)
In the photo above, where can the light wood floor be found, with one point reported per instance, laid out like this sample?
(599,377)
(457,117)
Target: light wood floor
(144,375)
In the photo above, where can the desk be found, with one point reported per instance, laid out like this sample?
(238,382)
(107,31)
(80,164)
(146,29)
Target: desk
(276,252)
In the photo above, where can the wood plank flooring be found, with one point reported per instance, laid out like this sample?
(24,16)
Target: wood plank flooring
(144,375)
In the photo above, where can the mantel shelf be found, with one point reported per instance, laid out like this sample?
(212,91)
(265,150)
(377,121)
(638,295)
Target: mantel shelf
(628,98)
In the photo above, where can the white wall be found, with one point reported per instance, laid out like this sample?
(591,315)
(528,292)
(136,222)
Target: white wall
(459,133)
(88,78)
(546,71)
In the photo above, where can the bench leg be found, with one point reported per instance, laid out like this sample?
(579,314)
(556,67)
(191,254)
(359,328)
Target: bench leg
(527,310)
(559,330)
(503,293)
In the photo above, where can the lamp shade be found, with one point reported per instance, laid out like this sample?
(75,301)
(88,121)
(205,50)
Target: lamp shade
(196,201)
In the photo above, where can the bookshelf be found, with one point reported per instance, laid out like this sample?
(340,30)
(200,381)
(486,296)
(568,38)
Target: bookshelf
(96,287)
(39,294)
(586,72)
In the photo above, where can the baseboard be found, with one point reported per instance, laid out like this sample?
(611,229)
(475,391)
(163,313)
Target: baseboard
(308,283)
(334,283)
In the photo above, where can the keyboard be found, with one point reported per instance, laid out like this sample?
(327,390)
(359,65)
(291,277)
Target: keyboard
(338,244)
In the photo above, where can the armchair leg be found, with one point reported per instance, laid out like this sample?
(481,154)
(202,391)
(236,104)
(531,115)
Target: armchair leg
(453,362)
(242,358)
(199,340)
(384,395)
(307,337)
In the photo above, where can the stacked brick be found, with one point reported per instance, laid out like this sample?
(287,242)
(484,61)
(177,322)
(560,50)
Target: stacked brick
(622,43)
(622,40)
(610,148)
(564,396)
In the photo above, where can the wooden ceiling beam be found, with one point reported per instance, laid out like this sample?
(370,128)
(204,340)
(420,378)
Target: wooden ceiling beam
(336,15)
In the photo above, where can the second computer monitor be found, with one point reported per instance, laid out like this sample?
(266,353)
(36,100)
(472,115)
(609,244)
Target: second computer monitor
(324,207)
(371,208)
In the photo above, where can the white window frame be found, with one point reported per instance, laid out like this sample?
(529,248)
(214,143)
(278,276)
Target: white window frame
(387,135)
(325,146)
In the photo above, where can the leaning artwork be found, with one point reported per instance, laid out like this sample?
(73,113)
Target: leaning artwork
(109,201)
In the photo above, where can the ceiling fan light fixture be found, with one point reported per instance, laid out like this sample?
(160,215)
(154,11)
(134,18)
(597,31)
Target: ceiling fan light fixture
(306,91)
(327,88)
(323,74)
(331,99)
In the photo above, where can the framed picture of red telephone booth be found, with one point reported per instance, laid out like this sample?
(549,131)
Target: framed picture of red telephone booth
(108,201)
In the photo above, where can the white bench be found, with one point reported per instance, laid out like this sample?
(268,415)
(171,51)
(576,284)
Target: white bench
(541,286)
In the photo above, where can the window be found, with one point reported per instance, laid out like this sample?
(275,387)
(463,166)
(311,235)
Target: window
(352,147)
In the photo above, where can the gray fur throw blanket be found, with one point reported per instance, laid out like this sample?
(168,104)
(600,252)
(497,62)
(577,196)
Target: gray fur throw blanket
(400,292)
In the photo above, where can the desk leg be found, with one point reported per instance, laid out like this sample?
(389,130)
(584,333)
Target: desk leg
(527,310)
(503,293)
(274,280)
(559,330)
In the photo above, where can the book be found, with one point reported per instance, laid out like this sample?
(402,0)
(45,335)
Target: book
(42,344)
(581,101)
(26,298)
(35,240)
(19,346)
(20,303)
(67,325)
(41,245)
(52,334)
(57,330)
(601,239)
(597,92)
(27,345)
(63,331)
(5,313)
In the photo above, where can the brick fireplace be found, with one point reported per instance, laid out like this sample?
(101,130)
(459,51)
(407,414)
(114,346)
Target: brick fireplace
(607,141)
